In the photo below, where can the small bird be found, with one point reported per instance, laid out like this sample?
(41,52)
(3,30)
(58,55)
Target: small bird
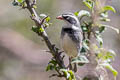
(71,35)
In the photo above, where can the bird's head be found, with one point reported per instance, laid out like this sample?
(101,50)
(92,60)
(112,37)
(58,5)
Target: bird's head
(70,18)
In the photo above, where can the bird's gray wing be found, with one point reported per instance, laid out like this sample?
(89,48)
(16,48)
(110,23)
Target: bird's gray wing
(77,37)
(62,33)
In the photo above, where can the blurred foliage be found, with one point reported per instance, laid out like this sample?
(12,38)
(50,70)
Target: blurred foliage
(21,23)
(98,14)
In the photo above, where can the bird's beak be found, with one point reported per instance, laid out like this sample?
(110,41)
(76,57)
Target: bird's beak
(59,17)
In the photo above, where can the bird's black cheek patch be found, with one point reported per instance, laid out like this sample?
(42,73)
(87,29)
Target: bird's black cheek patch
(72,20)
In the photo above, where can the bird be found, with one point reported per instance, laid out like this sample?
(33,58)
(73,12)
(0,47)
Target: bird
(71,35)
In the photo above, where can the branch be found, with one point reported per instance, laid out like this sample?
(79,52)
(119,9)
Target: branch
(53,50)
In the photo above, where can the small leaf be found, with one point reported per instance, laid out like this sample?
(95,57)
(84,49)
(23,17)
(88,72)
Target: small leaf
(15,3)
(41,29)
(46,25)
(35,28)
(108,66)
(72,74)
(83,50)
(108,8)
(81,64)
(80,59)
(85,44)
(99,39)
(43,15)
(83,13)
(33,15)
(100,55)
(47,19)
(53,62)
(76,13)
(104,14)
(65,71)
(101,29)
(89,3)
(34,6)
(84,28)
(49,67)
(20,1)
(24,4)
(104,19)
(112,52)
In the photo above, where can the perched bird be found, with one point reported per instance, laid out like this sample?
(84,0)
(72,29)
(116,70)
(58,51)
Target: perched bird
(71,35)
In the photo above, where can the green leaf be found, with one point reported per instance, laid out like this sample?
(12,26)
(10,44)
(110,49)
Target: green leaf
(89,3)
(105,55)
(99,39)
(81,64)
(53,62)
(15,3)
(72,74)
(108,66)
(35,28)
(43,15)
(110,54)
(76,13)
(101,29)
(80,59)
(49,67)
(108,8)
(100,55)
(104,19)
(68,74)
(83,50)
(33,14)
(65,71)
(104,14)
(84,28)
(47,19)
(24,4)
(85,44)
(83,13)
(34,6)
(20,1)
(41,29)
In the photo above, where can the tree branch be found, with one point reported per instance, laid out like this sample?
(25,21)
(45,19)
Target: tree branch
(53,50)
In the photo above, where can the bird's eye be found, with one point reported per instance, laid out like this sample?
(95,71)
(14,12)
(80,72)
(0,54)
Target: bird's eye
(66,17)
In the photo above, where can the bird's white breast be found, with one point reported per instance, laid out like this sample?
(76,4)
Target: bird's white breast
(69,46)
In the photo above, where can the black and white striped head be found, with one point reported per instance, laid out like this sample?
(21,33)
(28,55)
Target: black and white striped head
(70,18)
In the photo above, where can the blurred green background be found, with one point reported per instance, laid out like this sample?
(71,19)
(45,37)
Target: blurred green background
(22,52)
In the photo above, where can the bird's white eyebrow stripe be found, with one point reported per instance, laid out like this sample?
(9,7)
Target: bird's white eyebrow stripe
(68,14)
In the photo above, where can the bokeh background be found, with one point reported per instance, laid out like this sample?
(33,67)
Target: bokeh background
(22,52)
